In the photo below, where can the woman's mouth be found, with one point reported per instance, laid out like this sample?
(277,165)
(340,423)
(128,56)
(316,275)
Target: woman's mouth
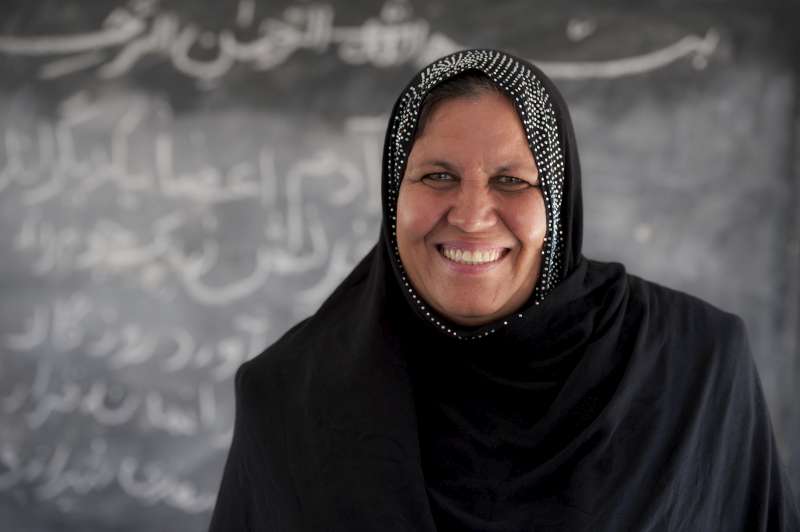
(473,256)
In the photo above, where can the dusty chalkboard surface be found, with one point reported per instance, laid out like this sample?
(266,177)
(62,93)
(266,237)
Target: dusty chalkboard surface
(182,181)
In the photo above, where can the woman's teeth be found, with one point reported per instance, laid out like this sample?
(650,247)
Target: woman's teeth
(471,257)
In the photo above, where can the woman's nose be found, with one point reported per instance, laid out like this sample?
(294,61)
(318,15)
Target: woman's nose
(473,208)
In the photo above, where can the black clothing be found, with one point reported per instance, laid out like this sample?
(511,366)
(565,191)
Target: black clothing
(605,403)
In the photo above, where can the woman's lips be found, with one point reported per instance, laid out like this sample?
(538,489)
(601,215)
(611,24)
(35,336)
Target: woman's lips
(470,257)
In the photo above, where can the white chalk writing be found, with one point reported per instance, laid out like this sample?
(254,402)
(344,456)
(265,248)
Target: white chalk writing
(394,37)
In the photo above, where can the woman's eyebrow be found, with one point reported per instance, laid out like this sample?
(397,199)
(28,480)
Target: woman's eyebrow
(438,162)
(511,167)
(506,167)
(520,168)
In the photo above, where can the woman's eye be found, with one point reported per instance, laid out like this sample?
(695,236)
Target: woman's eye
(438,179)
(507,182)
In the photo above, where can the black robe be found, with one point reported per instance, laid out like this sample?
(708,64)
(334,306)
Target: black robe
(606,403)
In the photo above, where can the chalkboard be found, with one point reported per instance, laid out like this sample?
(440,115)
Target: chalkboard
(180,182)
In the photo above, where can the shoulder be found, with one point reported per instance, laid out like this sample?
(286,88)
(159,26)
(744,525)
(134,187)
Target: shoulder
(682,312)
(693,339)
(262,372)
(302,341)
(654,307)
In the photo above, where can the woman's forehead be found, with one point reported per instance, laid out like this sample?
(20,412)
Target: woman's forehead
(484,126)
(491,109)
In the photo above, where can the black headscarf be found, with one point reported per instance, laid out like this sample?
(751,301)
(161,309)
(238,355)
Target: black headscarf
(605,403)
(548,129)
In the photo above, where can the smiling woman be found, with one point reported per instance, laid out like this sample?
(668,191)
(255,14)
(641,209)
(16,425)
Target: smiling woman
(476,373)
(470,215)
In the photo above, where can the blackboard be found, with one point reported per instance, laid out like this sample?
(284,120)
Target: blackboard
(181,181)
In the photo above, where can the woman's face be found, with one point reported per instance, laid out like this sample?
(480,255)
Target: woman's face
(470,226)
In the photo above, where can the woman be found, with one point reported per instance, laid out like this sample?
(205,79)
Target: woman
(476,372)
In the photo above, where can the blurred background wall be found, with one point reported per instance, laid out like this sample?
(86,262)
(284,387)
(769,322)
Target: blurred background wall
(182,181)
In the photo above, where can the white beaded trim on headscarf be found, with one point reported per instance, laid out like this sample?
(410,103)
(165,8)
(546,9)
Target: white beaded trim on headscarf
(539,120)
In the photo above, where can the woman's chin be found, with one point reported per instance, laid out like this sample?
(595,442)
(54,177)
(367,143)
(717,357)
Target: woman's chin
(470,315)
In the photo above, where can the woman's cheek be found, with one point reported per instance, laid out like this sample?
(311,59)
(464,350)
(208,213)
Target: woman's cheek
(529,223)
(418,214)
